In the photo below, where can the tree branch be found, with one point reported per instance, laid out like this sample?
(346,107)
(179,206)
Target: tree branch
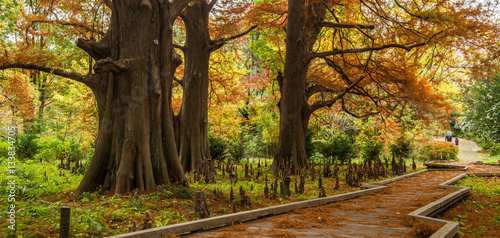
(96,49)
(108,65)
(361,50)
(73,24)
(410,13)
(339,70)
(340,25)
(216,44)
(176,7)
(108,3)
(211,5)
(320,104)
(311,90)
(6,96)
(179,81)
(71,75)
(180,47)
(344,108)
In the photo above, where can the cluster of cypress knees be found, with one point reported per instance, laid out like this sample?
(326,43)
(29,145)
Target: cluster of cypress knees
(67,166)
(354,173)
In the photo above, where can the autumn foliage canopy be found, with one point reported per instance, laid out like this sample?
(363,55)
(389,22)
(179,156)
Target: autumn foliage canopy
(166,74)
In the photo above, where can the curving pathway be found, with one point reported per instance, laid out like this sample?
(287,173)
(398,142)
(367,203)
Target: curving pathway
(468,151)
(381,214)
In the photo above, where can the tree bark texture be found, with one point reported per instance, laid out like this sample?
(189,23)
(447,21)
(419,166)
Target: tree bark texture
(191,130)
(134,69)
(303,17)
(193,134)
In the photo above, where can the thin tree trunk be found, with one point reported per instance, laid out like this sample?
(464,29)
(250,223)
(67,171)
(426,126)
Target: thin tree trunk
(192,133)
(193,141)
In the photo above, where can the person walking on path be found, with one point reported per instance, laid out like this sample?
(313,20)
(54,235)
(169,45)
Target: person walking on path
(456,141)
(448,136)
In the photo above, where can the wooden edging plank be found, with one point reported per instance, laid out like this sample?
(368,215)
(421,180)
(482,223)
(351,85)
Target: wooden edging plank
(214,222)
(218,221)
(449,229)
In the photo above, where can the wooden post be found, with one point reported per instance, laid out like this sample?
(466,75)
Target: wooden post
(64,223)
(286,185)
(197,202)
(282,189)
(337,184)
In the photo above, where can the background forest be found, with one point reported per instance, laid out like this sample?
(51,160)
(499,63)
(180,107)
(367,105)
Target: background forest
(57,117)
(380,79)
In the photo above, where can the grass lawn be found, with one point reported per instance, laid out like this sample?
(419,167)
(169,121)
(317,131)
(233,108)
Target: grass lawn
(492,160)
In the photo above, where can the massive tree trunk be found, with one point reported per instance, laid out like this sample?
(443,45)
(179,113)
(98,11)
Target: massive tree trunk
(136,147)
(294,109)
(305,21)
(193,136)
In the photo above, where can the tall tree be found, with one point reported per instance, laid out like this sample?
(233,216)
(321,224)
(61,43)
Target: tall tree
(193,116)
(368,40)
(132,85)
(482,101)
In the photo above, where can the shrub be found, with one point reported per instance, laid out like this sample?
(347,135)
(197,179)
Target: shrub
(27,144)
(317,157)
(217,147)
(342,148)
(309,146)
(491,147)
(324,149)
(259,143)
(339,147)
(236,148)
(401,147)
(495,150)
(370,145)
(487,144)
(51,149)
(4,148)
(440,150)
(236,151)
